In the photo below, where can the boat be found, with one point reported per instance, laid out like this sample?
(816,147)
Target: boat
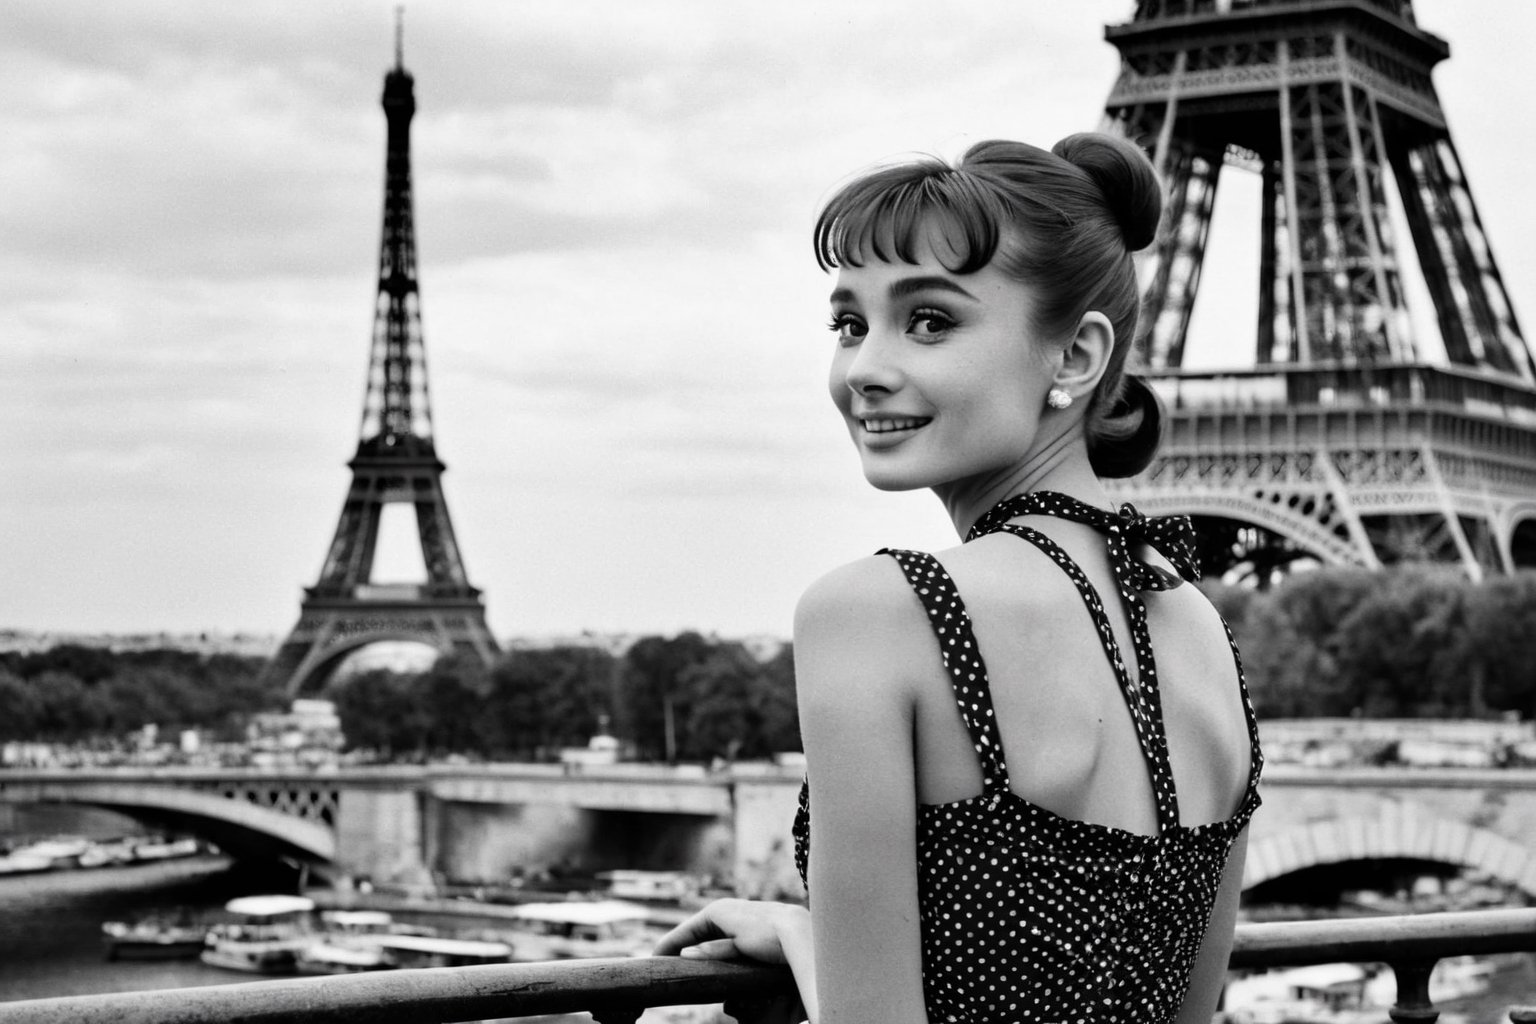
(59,853)
(153,938)
(327,957)
(266,937)
(107,854)
(343,925)
(436,951)
(1318,994)
(578,929)
(24,864)
(662,886)
(365,940)
(164,849)
(1460,977)
(363,928)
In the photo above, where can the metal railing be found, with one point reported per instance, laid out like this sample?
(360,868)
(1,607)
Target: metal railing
(1410,945)
(618,991)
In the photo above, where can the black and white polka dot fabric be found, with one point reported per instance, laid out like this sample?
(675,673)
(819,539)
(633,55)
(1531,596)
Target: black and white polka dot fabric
(1029,916)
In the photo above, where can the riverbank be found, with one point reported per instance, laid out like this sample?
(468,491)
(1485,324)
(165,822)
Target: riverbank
(50,924)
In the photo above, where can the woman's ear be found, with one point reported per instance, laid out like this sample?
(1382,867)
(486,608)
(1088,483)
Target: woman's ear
(1086,355)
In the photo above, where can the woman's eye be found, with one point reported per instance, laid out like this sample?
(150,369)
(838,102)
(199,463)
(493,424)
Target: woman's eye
(848,328)
(930,323)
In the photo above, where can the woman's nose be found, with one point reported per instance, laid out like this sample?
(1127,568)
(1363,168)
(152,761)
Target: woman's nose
(872,368)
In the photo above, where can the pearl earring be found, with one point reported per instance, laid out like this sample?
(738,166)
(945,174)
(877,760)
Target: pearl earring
(1058,398)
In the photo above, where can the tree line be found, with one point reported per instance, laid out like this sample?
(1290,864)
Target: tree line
(1411,641)
(681,698)
(72,693)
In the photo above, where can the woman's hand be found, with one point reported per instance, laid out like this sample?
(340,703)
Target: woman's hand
(730,928)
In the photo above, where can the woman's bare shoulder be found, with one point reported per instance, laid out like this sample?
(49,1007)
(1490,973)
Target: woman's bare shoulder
(860,621)
(873,584)
(1003,572)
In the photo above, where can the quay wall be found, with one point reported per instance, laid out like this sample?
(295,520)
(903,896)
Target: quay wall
(484,843)
(735,833)
(382,834)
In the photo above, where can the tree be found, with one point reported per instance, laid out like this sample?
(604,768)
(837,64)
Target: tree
(740,708)
(1498,649)
(1397,647)
(450,697)
(543,699)
(654,702)
(722,720)
(1291,646)
(778,709)
(381,711)
(87,664)
(23,708)
(69,709)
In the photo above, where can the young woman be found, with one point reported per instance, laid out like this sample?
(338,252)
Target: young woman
(1029,804)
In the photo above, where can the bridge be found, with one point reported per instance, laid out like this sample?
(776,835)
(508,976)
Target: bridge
(480,822)
(409,823)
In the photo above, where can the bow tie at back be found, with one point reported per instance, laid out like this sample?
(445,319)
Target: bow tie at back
(1171,536)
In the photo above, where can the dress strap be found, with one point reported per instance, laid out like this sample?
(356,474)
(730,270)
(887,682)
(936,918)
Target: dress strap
(962,660)
(1174,537)
(1142,698)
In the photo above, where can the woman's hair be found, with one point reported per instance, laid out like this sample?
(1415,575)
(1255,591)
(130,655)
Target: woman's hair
(1064,222)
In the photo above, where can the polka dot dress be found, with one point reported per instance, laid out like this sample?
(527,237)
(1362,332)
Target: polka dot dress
(1029,916)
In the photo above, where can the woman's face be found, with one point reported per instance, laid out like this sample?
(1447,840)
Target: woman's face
(940,377)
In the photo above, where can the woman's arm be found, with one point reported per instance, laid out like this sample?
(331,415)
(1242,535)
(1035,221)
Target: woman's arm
(856,957)
(1210,972)
(860,640)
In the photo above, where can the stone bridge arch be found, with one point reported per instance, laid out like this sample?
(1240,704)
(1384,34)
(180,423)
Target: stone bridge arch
(1406,836)
(235,822)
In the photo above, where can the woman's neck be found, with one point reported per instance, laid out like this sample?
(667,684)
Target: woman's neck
(1063,467)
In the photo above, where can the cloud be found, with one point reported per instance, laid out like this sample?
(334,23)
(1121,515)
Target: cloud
(250,142)
(622,318)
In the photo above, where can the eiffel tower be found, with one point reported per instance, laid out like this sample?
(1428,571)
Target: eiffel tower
(396,462)
(1345,430)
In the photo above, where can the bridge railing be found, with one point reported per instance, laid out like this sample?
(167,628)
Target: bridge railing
(619,991)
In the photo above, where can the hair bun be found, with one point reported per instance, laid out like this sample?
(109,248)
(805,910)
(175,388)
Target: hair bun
(1123,443)
(1125,176)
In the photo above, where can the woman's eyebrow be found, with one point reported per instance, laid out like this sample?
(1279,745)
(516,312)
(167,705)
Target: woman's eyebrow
(928,283)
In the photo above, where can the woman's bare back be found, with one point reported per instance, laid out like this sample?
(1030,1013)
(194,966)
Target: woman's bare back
(1068,735)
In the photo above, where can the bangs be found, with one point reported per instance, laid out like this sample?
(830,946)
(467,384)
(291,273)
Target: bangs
(902,212)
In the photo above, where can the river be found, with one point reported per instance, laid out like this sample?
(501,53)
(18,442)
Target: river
(50,924)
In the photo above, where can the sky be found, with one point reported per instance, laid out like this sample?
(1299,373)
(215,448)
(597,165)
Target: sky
(625,328)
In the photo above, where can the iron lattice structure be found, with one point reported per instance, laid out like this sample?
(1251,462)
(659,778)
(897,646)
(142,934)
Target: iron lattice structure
(1344,438)
(396,462)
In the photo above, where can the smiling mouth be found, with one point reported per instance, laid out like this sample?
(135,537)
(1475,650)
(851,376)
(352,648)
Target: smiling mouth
(892,425)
